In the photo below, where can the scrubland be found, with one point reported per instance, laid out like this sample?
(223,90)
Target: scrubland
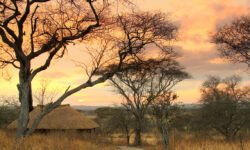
(85,141)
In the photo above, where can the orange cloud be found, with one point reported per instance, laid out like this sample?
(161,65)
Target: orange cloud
(218,61)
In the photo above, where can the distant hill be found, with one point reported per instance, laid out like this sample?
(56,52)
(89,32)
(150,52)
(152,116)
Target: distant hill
(191,106)
(92,108)
(86,108)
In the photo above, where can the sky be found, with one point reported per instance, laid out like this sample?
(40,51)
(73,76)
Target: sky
(196,19)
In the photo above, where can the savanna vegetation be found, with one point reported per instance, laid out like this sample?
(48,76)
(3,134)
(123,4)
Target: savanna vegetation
(186,132)
(148,117)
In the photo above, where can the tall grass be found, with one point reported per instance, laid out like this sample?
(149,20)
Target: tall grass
(198,141)
(54,141)
(83,141)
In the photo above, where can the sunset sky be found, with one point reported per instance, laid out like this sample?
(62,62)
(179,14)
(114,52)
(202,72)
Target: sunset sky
(196,19)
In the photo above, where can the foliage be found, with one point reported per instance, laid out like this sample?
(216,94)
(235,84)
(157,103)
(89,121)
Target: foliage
(9,110)
(144,82)
(33,29)
(114,120)
(225,105)
(233,40)
(165,114)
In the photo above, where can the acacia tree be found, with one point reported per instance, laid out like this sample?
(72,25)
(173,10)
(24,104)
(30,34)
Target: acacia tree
(233,40)
(225,105)
(33,28)
(165,112)
(144,82)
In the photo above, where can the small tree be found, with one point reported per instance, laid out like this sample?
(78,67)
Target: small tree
(165,113)
(42,95)
(142,83)
(233,40)
(115,119)
(225,105)
(103,116)
(123,120)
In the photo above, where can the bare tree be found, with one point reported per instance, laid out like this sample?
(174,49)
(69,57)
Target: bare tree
(225,105)
(144,82)
(31,28)
(233,40)
(165,112)
(42,95)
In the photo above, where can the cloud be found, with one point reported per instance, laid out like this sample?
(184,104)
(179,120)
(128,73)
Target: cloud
(201,63)
(218,61)
(54,75)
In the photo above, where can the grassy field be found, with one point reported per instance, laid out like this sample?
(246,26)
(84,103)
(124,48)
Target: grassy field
(76,141)
(54,141)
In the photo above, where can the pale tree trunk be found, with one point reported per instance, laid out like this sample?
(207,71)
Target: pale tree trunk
(23,119)
(164,133)
(25,98)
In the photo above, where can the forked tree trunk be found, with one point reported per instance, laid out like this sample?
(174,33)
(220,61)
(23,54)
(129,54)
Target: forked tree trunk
(164,133)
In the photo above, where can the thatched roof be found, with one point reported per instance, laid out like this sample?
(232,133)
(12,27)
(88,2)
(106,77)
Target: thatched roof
(63,117)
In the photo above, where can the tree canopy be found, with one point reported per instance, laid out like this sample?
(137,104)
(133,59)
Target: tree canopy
(233,40)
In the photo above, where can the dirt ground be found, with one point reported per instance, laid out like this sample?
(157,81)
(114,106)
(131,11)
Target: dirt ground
(129,148)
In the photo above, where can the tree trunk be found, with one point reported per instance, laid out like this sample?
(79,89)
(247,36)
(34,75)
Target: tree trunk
(23,120)
(128,137)
(127,133)
(30,99)
(25,98)
(137,136)
(164,132)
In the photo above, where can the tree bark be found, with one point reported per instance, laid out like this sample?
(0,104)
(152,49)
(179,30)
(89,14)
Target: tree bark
(25,98)
(164,132)
(30,98)
(23,119)
(128,137)
(138,136)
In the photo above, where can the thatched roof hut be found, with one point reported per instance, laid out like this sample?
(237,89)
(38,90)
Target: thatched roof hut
(63,117)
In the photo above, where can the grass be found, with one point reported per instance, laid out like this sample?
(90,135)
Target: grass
(76,141)
(54,141)
(191,141)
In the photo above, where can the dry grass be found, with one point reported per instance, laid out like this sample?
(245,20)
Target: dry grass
(185,141)
(202,145)
(76,141)
(54,141)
